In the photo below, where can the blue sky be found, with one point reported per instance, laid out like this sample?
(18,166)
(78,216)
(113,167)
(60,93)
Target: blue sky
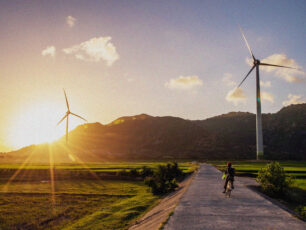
(178,58)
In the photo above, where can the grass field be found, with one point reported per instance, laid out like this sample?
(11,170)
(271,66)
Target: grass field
(97,167)
(296,198)
(42,172)
(293,168)
(92,203)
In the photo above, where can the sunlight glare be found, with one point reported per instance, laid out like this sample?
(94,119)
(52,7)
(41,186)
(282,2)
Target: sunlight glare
(37,125)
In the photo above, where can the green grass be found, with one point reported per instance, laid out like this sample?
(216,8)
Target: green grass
(40,172)
(77,205)
(300,183)
(100,167)
(296,198)
(27,202)
(250,169)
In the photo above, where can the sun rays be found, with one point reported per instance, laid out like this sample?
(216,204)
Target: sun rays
(27,171)
(77,159)
(51,164)
(22,166)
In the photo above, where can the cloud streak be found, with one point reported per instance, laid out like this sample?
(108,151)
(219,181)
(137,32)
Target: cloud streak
(236,96)
(71,21)
(95,50)
(294,99)
(267,96)
(184,82)
(266,84)
(49,51)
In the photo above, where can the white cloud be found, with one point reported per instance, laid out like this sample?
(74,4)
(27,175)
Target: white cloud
(50,50)
(294,99)
(267,96)
(289,75)
(266,84)
(94,50)
(227,79)
(236,96)
(184,83)
(70,21)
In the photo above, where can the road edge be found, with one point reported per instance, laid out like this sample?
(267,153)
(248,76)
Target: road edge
(158,216)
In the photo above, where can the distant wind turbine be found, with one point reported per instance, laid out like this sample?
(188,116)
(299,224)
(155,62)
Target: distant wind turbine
(67,116)
(256,64)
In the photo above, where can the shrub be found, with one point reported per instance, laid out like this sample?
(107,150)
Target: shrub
(122,173)
(146,172)
(134,173)
(173,170)
(301,210)
(161,187)
(164,179)
(273,180)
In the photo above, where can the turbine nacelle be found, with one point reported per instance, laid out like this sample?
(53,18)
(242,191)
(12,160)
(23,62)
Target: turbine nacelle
(256,62)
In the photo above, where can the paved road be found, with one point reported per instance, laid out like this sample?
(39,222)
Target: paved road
(204,206)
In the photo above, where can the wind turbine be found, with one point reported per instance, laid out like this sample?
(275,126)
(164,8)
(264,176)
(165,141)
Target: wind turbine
(67,116)
(256,64)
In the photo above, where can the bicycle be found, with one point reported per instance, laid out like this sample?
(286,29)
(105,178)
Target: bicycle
(228,189)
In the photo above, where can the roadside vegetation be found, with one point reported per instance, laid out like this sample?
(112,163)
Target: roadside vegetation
(284,180)
(163,224)
(273,181)
(95,196)
(164,179)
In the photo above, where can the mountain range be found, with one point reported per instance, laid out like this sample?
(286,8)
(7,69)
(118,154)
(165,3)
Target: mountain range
(145,137)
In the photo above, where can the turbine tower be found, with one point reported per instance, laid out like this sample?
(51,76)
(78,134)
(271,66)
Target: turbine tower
(256,64)
(67,116)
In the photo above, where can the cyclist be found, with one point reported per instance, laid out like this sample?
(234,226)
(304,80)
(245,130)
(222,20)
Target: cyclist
(230,173)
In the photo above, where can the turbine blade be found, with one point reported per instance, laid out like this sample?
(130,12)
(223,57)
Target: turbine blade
(278,66)
(66,100)
(247,44)
(78,116)
(62,119)
(246,76)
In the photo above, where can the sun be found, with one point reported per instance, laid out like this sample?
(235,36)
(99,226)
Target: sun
(37,124)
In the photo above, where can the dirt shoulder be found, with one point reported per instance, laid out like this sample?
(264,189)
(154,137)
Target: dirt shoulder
(157,215)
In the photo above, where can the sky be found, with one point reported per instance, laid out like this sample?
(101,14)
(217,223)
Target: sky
(122,58)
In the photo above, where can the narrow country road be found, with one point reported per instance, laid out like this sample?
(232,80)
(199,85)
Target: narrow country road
(204,206)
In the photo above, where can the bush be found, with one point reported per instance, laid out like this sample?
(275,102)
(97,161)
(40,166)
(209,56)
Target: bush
(273,180)
(128,173)
(146,172)
(301,210)
(173,170)
(134,173)
(122,173)
(164,179)
(161,187)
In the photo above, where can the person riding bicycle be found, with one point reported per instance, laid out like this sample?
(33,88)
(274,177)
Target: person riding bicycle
(230,173)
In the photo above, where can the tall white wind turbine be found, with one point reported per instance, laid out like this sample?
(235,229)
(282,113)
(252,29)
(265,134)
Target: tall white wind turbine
(256,64)
(67,116)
